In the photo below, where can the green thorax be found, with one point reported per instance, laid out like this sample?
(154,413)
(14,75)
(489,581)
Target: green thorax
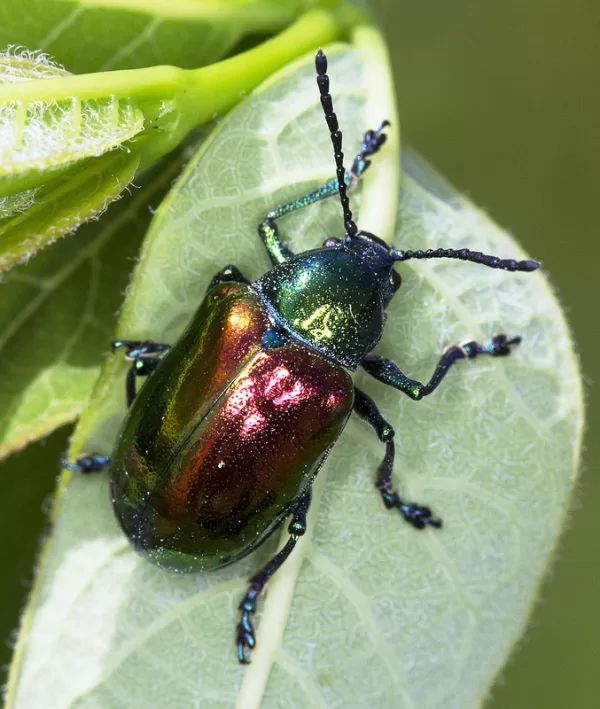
(329,299)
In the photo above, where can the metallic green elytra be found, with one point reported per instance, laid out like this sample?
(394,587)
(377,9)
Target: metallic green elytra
(224,439)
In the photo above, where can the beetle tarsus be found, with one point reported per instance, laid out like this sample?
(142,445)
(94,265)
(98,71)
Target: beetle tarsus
(419,516)
(388,372)
(93,463)
(136,349)
(246,639)
(145,357)
(372,141)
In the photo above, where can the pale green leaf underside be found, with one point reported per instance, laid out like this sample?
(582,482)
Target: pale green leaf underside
(17,64)
(37,217)
(58,313)
(368,612)
(38,135)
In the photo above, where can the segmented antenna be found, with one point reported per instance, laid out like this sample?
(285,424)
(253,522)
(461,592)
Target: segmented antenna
(467,255)
(336,139)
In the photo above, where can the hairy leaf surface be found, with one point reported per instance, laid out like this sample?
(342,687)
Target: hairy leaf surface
(368,611)
(40,134)
(58,313)
(71,144)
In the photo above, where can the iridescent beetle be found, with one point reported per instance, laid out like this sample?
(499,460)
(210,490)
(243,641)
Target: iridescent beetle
(225,438)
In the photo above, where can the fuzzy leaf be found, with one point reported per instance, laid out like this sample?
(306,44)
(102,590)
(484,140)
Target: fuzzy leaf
(60,137)
(36,217)
(367,612)
(40,134)
(58,311)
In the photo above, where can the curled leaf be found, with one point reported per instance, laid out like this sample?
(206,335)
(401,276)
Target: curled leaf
(55,130)
(58,312)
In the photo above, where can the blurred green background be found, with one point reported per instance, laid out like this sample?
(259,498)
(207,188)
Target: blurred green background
(503,99)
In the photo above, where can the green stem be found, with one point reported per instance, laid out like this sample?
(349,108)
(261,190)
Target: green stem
(176,100)
(224,83)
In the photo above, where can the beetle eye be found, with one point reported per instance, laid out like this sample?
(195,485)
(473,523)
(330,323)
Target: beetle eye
(395,280)
(330,243)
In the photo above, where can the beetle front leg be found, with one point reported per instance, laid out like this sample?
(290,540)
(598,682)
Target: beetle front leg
(145,356)
(229,274)
(387,372)
(268,231)
(246,638)
(417,515)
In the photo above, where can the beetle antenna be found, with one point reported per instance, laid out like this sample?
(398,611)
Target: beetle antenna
(336,140)
(467,255)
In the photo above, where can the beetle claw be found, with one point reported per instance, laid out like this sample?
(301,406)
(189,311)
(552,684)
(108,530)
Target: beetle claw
(419,516)
(245,637)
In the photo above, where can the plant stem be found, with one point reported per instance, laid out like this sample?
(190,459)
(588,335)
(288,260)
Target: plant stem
(176,100)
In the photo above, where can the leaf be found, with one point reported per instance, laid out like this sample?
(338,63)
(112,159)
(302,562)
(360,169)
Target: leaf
(56,134)
(367,612)
(37,217)
(35,135)
(30,480)
(129,34)
(58,311)
(56,165)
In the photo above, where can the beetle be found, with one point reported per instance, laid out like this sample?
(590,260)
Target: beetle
(234,421)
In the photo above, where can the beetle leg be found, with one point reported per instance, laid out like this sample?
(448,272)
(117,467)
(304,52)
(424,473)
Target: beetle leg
(229,274)
(93,463)
(372,141)
(387,372)
(246,638)
(139,368)
(135,349)
(145,356)
(268,231)
(417,515)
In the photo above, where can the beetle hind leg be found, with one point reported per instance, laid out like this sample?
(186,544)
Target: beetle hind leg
(245,636)
(420,516)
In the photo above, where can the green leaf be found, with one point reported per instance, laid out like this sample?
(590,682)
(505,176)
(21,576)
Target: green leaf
(35,218)
(103,35)
(57,313)
(367,612)
(40,134)
(29,479)
(56,133)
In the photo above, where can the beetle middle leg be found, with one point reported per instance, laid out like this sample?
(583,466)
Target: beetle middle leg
(388,372)
(246,638)
(418,515)
(268,231)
